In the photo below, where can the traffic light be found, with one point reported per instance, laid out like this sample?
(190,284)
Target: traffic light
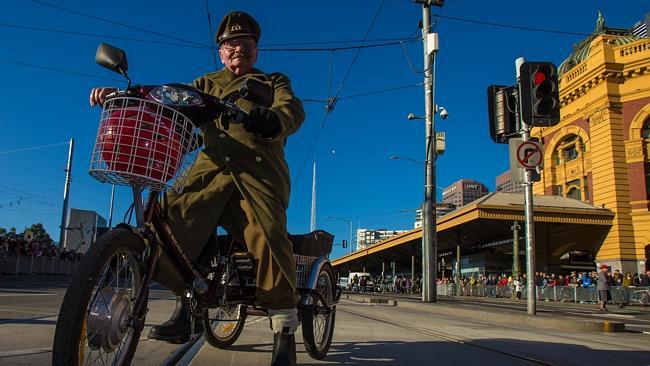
(502,119)
(540,97)
(345,243)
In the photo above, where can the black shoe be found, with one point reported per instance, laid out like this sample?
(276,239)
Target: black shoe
(284,349)
(177,329)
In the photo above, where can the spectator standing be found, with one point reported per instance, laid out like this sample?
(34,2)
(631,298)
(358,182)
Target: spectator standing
(517,283)
(604,288)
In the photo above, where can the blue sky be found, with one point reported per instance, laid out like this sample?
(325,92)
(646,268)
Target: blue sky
(356,180)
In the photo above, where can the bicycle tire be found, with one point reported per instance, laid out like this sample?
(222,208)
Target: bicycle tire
(318,348)
(216,338)
(72,328)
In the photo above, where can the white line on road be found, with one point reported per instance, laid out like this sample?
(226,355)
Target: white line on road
(25,352)
(22,294)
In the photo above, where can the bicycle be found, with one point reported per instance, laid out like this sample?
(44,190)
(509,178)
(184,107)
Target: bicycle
(146,140)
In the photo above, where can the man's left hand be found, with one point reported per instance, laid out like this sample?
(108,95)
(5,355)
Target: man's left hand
(263,122)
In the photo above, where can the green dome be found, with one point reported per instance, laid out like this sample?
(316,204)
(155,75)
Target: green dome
(581,50)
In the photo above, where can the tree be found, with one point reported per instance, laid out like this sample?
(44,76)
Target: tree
(40,234)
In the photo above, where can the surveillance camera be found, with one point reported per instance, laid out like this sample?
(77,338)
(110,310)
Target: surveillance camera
(443,113)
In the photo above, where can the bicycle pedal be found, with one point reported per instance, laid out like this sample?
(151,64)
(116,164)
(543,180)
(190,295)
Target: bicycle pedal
(243,261)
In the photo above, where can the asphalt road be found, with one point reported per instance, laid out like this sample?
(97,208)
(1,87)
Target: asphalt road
(364,335)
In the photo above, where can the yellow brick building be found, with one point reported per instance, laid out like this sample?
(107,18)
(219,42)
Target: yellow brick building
(600,150)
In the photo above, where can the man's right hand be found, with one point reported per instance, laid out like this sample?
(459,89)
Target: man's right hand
(98,95)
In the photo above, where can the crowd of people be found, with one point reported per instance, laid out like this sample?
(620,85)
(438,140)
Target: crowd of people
(543,280)
(385,284)
(16,245)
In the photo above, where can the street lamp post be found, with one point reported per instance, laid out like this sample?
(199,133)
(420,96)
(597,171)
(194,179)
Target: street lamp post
(349,222)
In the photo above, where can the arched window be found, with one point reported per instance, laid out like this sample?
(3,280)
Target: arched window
(574,192)
(568,149)
(645,130)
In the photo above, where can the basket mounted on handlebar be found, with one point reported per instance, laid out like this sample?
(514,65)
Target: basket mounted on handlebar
(143,143)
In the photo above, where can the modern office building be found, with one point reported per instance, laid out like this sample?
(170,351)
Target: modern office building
(367,237)
(505,184)
(463,192)
(442,209)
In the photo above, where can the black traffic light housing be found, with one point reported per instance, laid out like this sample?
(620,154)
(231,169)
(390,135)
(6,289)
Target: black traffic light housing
(502,119)
(344,243)
(540,97)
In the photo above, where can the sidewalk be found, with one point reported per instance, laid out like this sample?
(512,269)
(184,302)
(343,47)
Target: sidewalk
(513,312)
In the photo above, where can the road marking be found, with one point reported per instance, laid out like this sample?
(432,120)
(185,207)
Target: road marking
(22,294)
(24,352)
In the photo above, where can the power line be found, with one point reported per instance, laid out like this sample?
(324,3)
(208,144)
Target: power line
(214,55)
(32,148)
(380,91)
(262,47)
(510,26)
(48,68)
(101,36)
(332,101)
(101,19)
(332,49)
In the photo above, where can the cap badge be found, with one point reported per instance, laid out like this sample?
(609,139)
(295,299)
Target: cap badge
(235,27)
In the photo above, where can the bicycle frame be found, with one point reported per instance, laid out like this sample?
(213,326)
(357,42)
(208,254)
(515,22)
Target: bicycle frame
(158,237)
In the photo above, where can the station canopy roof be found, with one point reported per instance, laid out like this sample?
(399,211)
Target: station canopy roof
(487,222)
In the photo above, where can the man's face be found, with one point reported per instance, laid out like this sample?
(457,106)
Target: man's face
(239,54)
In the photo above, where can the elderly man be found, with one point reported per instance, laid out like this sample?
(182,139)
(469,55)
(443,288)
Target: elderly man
(604,287)
(240,181)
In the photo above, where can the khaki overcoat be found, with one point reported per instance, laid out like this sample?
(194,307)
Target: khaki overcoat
(236,160)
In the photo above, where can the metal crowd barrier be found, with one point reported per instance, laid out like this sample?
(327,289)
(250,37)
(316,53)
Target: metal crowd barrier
(36,265)
(628,295)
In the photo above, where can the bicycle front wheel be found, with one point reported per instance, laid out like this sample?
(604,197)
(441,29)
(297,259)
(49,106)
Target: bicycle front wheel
(96,324)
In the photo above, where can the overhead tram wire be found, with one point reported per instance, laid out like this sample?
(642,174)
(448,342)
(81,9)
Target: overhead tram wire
(48,68)
(31,148)
(380,91)
(332,103)
(509,26)
(212,49)
(101,19)
(270,47)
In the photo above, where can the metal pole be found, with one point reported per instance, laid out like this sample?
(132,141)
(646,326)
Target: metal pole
(530,226)
(66,191)
(429,248)
(312,226)
(516,267)
(458,263)
(110,210)
(350,248)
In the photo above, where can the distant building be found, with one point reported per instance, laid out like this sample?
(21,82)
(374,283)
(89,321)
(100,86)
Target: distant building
(506,185)
(83,229)
(463,192)
(441,210)
(367,237)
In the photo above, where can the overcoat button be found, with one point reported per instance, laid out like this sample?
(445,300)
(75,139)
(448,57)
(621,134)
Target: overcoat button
(258,159)
(222,135)
(227,158)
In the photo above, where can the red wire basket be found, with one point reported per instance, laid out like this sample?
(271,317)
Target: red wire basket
(143,143)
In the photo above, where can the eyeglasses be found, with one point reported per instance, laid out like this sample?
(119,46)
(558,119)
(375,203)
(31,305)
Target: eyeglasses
(232,44)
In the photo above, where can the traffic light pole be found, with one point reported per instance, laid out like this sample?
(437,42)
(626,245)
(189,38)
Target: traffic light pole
(429,242)
(528,199)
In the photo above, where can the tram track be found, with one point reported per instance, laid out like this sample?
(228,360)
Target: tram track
(451,338)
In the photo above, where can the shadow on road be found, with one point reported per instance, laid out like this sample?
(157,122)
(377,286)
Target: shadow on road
(490,351)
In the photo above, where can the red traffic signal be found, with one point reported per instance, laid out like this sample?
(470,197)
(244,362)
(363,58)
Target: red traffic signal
(539,93)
